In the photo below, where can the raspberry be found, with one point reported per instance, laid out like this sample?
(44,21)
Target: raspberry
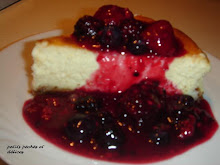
(160,39)
(113,15)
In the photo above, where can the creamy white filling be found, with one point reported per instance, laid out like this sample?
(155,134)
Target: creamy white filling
(187,73)
(58,67)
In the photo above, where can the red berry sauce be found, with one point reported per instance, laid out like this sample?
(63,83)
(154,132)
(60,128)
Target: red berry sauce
(128,111)
(143,124)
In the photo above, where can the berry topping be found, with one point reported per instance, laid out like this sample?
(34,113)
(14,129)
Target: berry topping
(132,126)
(115,28)
(110,37)
(80,128)
(87,29)
(160,39)
(113,15)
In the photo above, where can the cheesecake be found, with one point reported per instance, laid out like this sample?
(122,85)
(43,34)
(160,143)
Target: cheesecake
(120,88)
(66,63)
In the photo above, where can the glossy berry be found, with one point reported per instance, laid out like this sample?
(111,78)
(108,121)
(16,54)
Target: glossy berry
(186,128)
(133,105)
(105,119)
(185,101)
(110,37)
(112,14)
(86,104)
(180,102)
(142,99)
(111,138)
(131,29)
(175,116)
(159,138)
(132,100)
(126,120)
(141,124)
(179,107)
(80,128)
(204,119)
(136,46)
(87,28)
(160,39)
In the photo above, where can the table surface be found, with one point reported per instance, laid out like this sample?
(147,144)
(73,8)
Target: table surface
(199,19)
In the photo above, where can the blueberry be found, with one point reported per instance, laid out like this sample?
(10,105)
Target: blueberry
(110,138)
(110,37)
(86,104)
(105,119)
(87,28)
(159,138)
(136,46)
(80,128)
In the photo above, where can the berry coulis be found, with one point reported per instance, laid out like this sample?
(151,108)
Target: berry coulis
(124,116)
(141,125)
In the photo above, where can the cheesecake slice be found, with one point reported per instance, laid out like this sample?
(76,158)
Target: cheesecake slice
(66,63)
(120,88)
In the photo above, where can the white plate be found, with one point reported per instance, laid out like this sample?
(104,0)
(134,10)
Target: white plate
(15,62)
